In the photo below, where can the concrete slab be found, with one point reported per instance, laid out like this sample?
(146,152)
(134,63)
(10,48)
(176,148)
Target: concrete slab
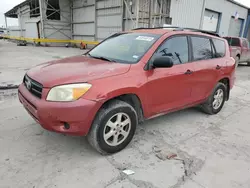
(16,60)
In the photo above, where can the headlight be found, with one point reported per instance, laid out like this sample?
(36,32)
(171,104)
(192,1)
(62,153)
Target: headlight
(70,92)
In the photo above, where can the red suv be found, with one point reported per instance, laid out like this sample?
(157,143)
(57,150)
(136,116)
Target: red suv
(128,78)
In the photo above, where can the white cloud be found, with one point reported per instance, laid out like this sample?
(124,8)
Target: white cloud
(6,5)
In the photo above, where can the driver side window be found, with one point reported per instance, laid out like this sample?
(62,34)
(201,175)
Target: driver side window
(176,48)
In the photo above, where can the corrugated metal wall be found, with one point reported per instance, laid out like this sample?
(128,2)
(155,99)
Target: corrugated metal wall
(186,13)
(189,13)
(23,16)
(96,19)
(84,20)
(109,18)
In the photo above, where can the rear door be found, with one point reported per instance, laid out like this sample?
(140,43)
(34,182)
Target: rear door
(170,88)
(209,64)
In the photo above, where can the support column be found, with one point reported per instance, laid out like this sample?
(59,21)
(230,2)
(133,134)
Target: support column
(96,37)
(137,8)
(41,5)
(6,23)
(150,14)
(72,20)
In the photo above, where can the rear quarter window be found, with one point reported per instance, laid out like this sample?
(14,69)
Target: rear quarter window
(220,48)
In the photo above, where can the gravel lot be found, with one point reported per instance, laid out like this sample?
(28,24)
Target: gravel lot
(212,151)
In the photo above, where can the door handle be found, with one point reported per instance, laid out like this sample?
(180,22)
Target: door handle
(218,67)
(188,72)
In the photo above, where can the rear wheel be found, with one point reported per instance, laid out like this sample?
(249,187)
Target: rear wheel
(113,127)
(216,100)
(248,63)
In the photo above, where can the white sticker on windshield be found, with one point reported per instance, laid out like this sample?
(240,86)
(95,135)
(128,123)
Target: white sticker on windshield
(135,56)
(145,38)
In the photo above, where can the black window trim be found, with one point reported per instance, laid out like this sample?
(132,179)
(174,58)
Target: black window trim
(147,66)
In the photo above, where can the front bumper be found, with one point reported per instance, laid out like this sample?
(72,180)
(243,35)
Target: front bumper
(52,115)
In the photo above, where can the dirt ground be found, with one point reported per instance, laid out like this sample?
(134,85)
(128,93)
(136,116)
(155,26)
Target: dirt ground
(212,151)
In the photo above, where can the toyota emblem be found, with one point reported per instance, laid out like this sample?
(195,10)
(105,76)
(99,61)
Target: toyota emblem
(28,83)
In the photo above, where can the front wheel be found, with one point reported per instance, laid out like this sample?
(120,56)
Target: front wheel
(113,127)
(216,100)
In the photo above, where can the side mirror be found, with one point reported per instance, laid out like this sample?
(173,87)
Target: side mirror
(162,62)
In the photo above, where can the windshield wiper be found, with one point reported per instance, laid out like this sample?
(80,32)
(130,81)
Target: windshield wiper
(102,58)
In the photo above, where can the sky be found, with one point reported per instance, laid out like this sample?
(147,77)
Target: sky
(6,5)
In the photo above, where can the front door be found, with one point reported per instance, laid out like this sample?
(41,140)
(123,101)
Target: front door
(170,88)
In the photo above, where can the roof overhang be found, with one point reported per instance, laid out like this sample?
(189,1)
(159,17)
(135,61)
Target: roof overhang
(13,12)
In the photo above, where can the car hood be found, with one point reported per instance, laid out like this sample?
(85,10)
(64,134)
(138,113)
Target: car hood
(75,70)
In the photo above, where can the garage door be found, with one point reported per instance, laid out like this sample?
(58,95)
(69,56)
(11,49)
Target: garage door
(235,27)
(210,21)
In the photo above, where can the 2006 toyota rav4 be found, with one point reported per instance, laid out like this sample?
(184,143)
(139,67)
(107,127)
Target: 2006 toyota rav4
(129,77)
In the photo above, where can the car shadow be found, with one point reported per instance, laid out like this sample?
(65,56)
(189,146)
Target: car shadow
(175,122)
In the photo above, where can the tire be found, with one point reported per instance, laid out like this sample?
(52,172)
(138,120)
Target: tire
(102,137)
(209,107)
(248,63)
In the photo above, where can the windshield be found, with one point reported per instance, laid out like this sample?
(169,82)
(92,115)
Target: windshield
(124,47)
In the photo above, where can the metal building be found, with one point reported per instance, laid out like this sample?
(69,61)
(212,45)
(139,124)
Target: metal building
(225,17)
(94,20)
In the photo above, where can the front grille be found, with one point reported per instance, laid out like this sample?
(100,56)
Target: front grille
(33,86)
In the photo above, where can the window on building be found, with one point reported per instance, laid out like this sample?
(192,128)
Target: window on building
(34,8)
(202,48)
(219,47)
(53,10)
(176,48)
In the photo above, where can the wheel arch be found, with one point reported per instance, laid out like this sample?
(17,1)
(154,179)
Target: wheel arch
(132,99)
(226,82)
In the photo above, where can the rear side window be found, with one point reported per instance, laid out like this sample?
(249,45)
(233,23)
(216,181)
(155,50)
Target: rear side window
(233,41)
(202,48)
(175,48)
(220,48)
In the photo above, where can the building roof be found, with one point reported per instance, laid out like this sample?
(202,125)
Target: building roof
(13,12)
(239,4)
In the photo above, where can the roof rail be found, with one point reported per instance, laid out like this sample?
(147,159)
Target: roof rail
(175,28)
(203,31)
